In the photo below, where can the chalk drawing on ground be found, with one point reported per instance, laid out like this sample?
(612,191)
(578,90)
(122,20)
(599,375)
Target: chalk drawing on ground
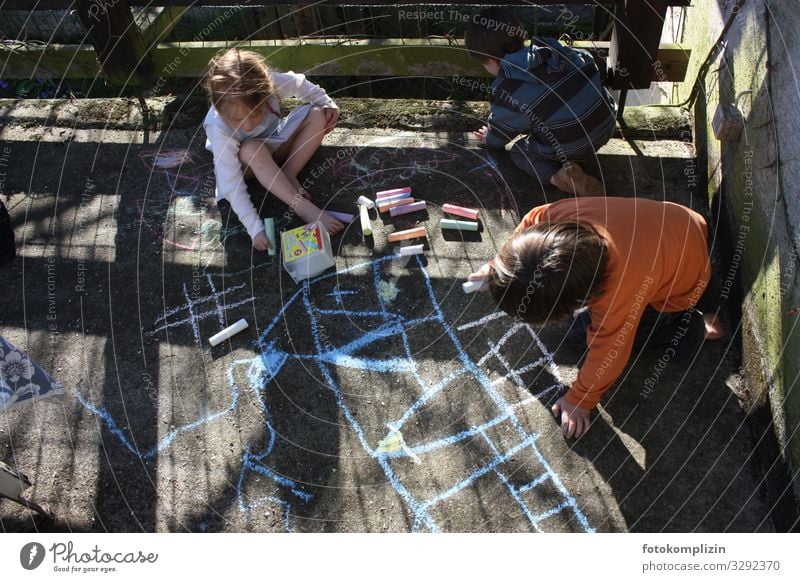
(183,216)
(369,350)
(446,414)
(196,309)
(375,165)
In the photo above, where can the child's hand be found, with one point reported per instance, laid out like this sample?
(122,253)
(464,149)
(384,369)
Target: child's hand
(481,134)
(481,274)
(331,117)
(574,419)
(261,242)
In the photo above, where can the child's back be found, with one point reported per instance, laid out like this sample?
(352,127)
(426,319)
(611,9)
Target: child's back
(554,93)
(550,93)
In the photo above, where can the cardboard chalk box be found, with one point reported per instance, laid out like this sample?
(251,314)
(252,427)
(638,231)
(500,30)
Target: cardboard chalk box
(306,251)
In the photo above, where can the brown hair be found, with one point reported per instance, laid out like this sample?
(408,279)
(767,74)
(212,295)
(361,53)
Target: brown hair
(547,271)
(238,74)
(494,33)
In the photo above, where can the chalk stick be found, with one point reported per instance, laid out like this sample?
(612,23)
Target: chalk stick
(269,227)
(410,233)
(470,213)
(385,193)
(472,286)
(341,216)
(364,201)
(395,197)
(447,223)
(393,203)
(228,332)
(366,225)
(412,250)
(408,208)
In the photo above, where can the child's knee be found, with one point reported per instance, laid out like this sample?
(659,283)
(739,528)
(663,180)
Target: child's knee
(316,116)
(249,149)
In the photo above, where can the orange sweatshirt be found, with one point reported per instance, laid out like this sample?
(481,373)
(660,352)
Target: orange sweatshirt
(657,255)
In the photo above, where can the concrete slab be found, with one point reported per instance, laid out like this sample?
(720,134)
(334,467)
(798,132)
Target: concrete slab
(376,397)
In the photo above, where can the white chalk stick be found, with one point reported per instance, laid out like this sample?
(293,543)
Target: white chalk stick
(472,286)
(412,250)
(341,216)
(228,332)
(364,201)
(366,225)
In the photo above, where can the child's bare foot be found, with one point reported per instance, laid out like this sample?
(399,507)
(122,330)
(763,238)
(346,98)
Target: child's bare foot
(715,329)
(328,222)
(572,179)
(331,224)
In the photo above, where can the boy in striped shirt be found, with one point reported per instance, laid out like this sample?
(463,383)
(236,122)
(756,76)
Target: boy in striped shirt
(547,92)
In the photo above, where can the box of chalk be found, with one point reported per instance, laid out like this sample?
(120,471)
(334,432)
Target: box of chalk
(306,251)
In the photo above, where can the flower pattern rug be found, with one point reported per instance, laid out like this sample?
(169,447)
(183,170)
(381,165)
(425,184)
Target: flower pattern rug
(21,380)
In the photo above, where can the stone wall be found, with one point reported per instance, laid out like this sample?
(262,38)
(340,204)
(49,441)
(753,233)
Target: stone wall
(753,185)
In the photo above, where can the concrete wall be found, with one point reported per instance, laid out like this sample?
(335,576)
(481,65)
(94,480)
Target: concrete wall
(753,182)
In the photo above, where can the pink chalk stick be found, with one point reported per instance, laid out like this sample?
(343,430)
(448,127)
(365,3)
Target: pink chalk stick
(341,216)
(398,210)
(461,211)
(400,196)
(385,193)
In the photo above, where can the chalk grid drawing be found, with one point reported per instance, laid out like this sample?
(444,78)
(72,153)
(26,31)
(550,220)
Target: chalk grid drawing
(401,449)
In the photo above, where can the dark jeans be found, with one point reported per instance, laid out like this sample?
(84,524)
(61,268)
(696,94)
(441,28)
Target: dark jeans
(526,154)
(683,331)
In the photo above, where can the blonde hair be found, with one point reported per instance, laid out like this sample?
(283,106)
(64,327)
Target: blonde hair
(241,75)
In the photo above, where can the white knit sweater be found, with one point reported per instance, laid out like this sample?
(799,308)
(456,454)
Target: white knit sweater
(224,141)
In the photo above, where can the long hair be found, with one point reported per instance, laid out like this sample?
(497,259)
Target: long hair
(548,270)
(241,75)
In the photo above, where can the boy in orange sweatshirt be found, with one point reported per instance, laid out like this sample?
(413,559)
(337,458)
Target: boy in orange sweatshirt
(639,265)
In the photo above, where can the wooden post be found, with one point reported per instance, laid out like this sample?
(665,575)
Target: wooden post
(162,26)
(634,43)
(117,41)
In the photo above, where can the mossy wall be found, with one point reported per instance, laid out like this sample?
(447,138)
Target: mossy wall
(753,182)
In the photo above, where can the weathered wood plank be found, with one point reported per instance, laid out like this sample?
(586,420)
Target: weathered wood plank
(635,40)
(68,4)
(391,57)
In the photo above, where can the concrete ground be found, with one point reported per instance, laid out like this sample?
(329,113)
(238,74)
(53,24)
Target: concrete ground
(377,397)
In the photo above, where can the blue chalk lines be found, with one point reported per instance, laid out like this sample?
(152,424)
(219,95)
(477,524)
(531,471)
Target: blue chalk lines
(405,455)
(394,447)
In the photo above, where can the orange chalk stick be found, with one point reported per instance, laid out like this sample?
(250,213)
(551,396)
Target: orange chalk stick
(391,204)
(418,232)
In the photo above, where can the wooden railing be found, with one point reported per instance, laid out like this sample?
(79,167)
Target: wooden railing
(127,55)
